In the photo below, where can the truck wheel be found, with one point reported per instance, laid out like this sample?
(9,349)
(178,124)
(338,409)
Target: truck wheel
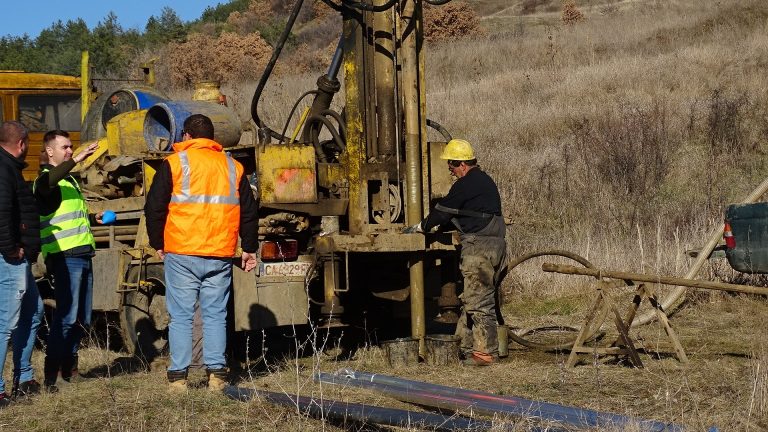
(143,316)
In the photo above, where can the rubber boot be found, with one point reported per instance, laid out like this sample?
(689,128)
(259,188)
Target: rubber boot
(177,381)
(217,379)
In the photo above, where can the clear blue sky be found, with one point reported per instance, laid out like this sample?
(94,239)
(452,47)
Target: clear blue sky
(32,16)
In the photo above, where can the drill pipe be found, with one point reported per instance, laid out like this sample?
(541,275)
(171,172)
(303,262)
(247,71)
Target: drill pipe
(488,403)
(325,408)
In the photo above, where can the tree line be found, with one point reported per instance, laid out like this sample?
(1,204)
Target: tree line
(113,49)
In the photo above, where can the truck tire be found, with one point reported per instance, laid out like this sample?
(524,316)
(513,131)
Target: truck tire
(143,316)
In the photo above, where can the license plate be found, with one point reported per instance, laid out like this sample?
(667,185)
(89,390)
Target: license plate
(297,268)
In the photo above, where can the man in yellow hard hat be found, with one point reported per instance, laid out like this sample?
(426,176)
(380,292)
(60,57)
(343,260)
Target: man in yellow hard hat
(473,206)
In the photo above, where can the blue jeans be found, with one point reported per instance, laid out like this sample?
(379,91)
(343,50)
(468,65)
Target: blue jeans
(73,290)
(189,279)
(21,310)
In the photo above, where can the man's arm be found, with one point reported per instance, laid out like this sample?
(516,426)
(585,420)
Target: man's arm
(455,199)
(249,224)
(8,246)
(156,206)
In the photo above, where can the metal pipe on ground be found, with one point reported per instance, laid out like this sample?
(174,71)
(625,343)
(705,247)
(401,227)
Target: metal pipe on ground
(343,411)
(488,403)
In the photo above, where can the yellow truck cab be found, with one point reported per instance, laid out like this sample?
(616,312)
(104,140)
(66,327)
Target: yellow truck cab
(42,102)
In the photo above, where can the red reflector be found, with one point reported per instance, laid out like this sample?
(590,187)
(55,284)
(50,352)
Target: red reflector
(730,240)
(280,250)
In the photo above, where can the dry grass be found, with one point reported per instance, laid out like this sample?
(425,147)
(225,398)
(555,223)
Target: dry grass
(723,385)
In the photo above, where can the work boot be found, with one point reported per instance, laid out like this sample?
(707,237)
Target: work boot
(51,374)
(69,371)
(217,379)
(25,389)
(5,400)
(480,359)
(177,381)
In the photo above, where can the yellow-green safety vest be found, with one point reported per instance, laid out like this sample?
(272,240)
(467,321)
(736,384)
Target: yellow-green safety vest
(68,227)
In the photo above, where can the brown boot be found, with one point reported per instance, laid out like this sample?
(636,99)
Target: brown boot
(217,379)
(177,381)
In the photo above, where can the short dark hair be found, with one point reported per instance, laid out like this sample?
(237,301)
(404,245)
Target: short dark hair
(51,135)
(12,131)
(198,126)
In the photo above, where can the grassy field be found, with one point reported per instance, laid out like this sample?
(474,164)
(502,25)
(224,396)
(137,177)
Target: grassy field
(620,137)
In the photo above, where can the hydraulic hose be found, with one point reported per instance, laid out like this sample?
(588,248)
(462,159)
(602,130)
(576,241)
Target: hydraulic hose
(438,127)
(339,120)
(437,2)
(293,110)
(268,70)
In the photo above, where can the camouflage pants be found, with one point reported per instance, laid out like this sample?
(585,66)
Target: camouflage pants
(483,260)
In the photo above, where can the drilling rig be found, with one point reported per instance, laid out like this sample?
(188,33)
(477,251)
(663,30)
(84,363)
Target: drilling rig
(333,197)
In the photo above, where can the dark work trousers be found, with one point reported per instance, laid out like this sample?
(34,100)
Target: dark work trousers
(483,262)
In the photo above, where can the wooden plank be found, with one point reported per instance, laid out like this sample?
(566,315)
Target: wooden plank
(665,280)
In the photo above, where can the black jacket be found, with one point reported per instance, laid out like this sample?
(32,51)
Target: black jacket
(156,210)
(476,192)
(19,218)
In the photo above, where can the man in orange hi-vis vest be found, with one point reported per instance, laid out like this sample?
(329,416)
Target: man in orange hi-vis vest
(198,203)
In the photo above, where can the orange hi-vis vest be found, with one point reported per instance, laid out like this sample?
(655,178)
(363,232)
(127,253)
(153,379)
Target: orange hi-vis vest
(204,212)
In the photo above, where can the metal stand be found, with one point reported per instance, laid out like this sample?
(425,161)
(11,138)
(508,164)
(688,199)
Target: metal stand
(623,345)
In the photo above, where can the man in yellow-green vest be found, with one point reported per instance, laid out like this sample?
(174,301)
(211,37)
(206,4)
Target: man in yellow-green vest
(67,246)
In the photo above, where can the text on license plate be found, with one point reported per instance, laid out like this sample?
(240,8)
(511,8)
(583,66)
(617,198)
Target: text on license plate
(297,268)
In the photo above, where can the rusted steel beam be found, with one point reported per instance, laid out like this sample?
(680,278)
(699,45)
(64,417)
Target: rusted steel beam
(665,280)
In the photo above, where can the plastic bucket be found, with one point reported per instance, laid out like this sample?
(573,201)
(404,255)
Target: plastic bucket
(442,349)
(401,352)
(165,121)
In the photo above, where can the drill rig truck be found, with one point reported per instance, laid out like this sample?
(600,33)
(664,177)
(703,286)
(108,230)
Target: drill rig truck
(333,199)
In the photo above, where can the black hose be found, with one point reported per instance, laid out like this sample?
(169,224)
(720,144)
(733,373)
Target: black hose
(438,127)
(437,2)
(270,67)
(327,123)
(339,120)
(293,110)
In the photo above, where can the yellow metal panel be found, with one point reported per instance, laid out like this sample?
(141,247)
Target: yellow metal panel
(126,133)
(149,175)
(287,174)
(22,81)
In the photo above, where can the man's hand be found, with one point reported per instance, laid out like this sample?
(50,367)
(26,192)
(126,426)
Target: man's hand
(82,155)
(161,254)
(249,261)
(99,218)
(413,229)
(19,254)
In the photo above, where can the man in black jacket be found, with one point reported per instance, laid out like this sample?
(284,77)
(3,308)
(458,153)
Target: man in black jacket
(473,207)
(21,307)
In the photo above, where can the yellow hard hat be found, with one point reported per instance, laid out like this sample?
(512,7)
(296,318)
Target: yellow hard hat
(459,150)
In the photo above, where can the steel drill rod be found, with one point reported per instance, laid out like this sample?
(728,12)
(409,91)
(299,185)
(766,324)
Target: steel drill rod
(445,397)
(326,408)
(665,280)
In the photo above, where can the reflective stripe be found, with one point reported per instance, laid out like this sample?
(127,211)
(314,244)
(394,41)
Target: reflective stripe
(186,197)
(59,235)
(185,177)
(63,218)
